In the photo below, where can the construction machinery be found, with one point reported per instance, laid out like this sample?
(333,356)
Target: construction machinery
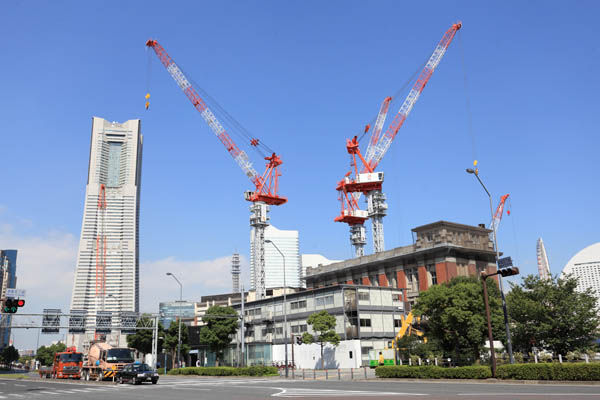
(266,186)
(498,215)
(368,181)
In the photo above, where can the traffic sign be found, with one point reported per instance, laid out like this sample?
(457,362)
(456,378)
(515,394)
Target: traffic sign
(15,293)
(505,262)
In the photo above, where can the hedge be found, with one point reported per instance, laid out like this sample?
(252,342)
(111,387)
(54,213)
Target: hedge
(433,372)
(225,371)
(550,372)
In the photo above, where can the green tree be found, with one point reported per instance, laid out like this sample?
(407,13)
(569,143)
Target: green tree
(172,339)
(221,326)
(552,315)
(455,317)
(323,324)
(45,355)
(141,340)
(9,355)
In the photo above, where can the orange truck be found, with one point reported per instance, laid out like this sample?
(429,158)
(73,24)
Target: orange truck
(66,365)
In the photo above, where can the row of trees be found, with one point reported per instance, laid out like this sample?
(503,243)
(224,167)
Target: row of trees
(549,314)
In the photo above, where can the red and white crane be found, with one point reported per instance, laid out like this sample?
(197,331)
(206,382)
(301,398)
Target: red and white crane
(368,181)
(266,185)
(498,214)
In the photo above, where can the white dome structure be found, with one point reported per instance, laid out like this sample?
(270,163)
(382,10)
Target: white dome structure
(585,265)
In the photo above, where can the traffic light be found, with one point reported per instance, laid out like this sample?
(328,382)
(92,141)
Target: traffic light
(10,306)
(509,271)
(298,339)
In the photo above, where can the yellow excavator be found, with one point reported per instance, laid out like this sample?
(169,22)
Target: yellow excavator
(407,328)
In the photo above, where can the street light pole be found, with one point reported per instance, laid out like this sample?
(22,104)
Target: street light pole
(504,309)
(285,336)
(179,334)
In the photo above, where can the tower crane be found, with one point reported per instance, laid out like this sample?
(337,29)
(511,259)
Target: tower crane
(498,214)
(266,186)
(369,182)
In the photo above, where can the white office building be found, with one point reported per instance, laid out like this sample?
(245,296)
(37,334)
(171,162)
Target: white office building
(585,265)
(115,162)
(314,261)
(287,242)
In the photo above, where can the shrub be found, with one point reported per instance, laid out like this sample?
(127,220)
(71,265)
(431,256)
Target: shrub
(433,372)
(225,371)
(550,371)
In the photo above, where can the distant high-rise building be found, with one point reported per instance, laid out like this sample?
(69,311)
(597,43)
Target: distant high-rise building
(287,242)
(542,260)
(235,272)
(8,280)
(585,266)
(111,232)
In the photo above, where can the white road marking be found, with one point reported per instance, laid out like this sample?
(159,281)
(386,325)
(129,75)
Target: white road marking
(47,392)
(16,384)
(530,394)
(296,392)
(15,394)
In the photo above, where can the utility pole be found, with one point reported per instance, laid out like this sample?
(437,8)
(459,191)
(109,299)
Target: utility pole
(284,309)
(179,333)
(243,320)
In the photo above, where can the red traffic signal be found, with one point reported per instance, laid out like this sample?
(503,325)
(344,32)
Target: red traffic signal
(509,271)
(20,302)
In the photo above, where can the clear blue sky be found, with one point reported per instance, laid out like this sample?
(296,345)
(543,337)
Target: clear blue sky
(302,76)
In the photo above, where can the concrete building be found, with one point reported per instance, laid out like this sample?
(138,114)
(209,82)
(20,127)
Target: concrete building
(287,242)
(585,266)
(8,280)
(440,252)
(115,162)
(367,318)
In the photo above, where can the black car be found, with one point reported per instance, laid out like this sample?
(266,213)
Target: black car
(136,373)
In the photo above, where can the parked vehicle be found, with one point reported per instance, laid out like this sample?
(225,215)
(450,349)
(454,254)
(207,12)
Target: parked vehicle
(137,373)
(66,365)
(103,361)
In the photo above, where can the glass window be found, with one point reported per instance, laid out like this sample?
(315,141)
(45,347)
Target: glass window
(364,296)
(365,322)
(397,323)
(114,164)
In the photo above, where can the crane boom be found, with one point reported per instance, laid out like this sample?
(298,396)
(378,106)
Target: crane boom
(498,214)
(240,156)
(375,154)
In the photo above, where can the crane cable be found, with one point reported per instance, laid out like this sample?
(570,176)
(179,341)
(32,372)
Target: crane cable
(467,99)
(396,95)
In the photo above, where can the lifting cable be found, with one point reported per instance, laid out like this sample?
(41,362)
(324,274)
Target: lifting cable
(225,118)
(514,229)
(148,75)
(467,99)
(396,95)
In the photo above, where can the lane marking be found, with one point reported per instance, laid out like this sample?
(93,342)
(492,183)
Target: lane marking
(530,394)
(16,384)
(297,392)
(47,392)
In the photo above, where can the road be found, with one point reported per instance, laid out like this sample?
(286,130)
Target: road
(182,388)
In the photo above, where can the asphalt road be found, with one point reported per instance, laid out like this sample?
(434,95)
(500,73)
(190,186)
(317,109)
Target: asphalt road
(180,388)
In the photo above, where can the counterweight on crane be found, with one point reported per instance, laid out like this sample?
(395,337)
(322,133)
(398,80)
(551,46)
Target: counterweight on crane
(266,185)
(368,181)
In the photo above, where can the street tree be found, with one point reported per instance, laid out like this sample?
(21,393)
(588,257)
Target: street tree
(9,355)
(552,315)
(221,326)
(45,355)
(141,340)
(323,324)
(171,339)
(454,317)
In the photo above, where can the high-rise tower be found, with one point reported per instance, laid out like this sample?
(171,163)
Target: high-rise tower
(542,260)
(235,272)
(107,272)
(287,242)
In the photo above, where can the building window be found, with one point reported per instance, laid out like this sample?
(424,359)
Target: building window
(296,305)
(432,274)
(391,277)
(279,330)
(365,322)
(363,296)
(365,350)
(397,323)
(356,281)
(297,329)
(374,280)
(114,164)
(324,301)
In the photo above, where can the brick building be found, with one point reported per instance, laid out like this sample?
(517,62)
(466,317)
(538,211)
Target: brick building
(440,251)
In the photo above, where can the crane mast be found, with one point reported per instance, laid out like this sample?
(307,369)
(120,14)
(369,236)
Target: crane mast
(498,214)
(370,182)
(266,185)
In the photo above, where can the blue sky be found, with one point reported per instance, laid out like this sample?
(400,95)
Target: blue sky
(303,77)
